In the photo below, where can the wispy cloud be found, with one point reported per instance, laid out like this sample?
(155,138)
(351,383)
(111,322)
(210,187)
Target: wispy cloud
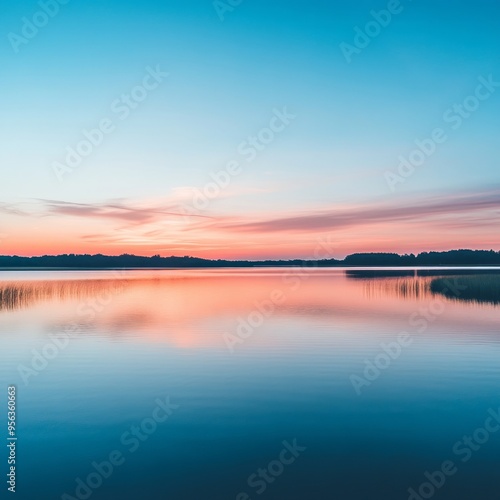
(454,205)
(12,209)
(121,210)
(420,222)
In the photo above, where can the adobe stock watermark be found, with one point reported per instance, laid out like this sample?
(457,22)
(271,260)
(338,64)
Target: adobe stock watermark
(130,441)
(224,6)
(32,26)
(465,449)
(121,108)
(373,369)
(454,117)
(265,309)
(390,352)
(363,37)
(87,310)
(248,150)
(260,480)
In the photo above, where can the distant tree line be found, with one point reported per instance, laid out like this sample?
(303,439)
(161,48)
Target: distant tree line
(450,258)
(99,261)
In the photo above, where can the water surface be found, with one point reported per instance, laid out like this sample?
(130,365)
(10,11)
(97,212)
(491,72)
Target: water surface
(251,359)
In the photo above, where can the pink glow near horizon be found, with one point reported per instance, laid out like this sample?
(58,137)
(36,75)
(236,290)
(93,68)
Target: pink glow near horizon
(411,226)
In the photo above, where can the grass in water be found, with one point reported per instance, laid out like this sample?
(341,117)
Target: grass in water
(476,288)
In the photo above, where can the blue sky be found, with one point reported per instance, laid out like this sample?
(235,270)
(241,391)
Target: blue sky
(353,120)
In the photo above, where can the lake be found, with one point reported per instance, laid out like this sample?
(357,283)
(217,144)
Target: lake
(256,383)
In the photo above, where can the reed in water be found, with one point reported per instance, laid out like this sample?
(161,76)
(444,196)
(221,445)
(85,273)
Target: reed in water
(477,288)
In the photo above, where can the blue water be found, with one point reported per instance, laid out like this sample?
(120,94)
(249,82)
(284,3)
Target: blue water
(236,406)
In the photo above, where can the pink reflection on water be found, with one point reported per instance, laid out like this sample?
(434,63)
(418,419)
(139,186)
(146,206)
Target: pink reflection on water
(194,309)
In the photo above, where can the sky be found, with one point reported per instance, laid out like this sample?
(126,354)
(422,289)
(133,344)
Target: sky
(252,129)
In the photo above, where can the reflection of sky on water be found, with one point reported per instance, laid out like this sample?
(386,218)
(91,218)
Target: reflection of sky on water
(148,334)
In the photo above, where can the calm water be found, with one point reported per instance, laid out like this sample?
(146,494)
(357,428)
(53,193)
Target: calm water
(250,360)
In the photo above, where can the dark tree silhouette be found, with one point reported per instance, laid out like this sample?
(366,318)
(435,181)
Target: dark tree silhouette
(99,261)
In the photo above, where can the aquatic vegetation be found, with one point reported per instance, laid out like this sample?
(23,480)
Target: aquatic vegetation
(476,288)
